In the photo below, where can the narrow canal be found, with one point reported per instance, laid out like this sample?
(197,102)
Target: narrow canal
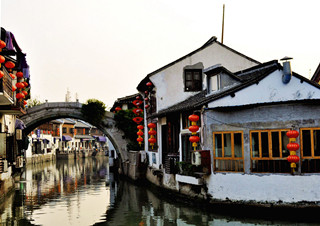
(85,192)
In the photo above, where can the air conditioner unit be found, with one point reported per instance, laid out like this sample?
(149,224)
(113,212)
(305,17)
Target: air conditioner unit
(196,158)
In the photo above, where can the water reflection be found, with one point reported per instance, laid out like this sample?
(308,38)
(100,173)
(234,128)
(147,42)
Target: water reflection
(84,192)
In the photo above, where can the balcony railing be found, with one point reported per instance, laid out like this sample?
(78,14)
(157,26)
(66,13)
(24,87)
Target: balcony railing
(6,84)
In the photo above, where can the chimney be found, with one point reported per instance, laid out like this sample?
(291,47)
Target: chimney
(287,73)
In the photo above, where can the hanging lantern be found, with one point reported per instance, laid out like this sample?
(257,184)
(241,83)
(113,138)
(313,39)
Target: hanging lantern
(140,133)
(138,97)
(293,147)
(149,84)
(1,74)
(193,129)
(137,111)
(140,127)
(152,133)
(25,93)
(2,45)
(9,65)
(2,59)
(19,85)
(146,92)
(118,109)
(146,99)
(19,96)
(12,76)
(146,106)
(25,84)
(140,140)
(14,88)
(194,139)
(137,103)
(24,102)
(137,120)
(19,74)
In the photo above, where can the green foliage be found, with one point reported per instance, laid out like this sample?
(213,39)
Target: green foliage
(186,168)
(125,123)
(93,111)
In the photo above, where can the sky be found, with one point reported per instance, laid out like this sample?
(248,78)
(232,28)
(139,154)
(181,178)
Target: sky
(102,49)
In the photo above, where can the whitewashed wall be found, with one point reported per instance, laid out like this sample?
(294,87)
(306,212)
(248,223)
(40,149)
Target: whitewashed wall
(169,82)
(268,90)
(264,188)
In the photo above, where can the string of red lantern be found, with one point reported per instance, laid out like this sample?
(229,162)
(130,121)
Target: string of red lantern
(138,119)
(152,132)
(292,146)
(193,129)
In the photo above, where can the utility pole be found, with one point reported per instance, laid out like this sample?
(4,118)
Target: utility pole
(222,25)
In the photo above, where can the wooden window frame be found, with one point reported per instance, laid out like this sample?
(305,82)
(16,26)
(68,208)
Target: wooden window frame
(312,143)
(269,143)
(232,150)
(194,88)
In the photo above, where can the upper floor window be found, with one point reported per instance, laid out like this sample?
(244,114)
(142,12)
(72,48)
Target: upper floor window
(310,150)
(214,83)
(193,80)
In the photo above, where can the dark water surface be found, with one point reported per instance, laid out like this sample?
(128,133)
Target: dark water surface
(84,192)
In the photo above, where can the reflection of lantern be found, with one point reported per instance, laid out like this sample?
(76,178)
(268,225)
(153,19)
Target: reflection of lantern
(193,129)
(293,147)
(152,133)
(9,65)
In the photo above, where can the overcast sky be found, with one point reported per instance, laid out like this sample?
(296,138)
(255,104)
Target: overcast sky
(103,48)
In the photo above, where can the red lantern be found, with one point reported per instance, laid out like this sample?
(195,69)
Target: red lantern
(146,106)
(152,125)
(2,45)
(139,139)
(137,103)
(118,109)
(293,146)
(146,92)
(146,99)
(9,65)
(19,96)
(19,74)
(152,141)
(193,118)
(137,111)
(25,84)
(24,102)
(2,59)
(137,120)
(149,84)
(1,74)
(194,128)
(19,85)
(292,134)
(138,98)
(13,88)
(293,158)
(140,127)
(194,139)
(24,92)
(12,76)
(152,132)
(140,133)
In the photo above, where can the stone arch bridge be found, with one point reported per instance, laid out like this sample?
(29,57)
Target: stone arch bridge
(40,114)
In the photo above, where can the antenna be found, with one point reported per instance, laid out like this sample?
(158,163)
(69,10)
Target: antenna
(222,25)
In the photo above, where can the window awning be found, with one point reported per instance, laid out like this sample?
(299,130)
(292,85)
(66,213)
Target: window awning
(101,139)
(66,138)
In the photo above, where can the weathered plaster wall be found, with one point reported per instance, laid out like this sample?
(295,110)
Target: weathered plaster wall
(262,187)
(169,82)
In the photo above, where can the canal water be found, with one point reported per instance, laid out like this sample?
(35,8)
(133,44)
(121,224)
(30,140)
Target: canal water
(85,192)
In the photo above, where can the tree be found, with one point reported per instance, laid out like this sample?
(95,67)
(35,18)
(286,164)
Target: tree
(93,111)
(125,123)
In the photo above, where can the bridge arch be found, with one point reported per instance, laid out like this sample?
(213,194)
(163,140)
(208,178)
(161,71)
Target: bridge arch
(40,114)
